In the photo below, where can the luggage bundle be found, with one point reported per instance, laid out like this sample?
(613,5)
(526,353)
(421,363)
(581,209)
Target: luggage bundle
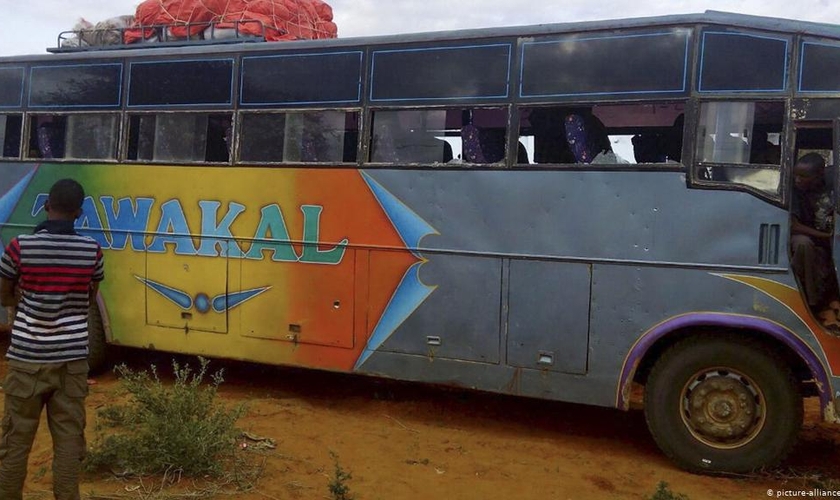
(168,20)
(272,19)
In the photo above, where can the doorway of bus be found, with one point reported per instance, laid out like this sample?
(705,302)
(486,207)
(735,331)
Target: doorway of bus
(813,208)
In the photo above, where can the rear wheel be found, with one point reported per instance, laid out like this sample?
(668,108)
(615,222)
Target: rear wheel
(723,404)
(97,344)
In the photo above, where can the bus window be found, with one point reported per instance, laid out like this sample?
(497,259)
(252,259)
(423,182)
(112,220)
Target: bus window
(82,136)
(602,134)
(10,126)
(180,137)
(740,143)
(435,136)
(301,137)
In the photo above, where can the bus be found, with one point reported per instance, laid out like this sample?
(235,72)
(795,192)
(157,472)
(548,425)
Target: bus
(564,211)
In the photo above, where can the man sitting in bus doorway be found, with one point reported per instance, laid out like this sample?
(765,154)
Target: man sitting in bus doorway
(812,225)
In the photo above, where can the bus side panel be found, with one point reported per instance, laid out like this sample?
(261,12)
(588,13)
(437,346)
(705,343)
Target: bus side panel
(253,264)
(586,215)
(548,322)
(14,181)
(460,317)
(208,277)
(635,229)
(630,301)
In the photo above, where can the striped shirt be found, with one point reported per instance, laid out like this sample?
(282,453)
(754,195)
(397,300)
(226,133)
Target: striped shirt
(54,269)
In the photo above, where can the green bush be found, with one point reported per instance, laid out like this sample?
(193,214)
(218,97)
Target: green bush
(338,486)
(664,493)
(166,427)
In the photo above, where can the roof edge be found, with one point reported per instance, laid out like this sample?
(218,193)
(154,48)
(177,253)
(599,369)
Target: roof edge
(735,20)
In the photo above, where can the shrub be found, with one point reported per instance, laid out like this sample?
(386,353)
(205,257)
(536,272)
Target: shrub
(166,427)
(338,483)
(664,493)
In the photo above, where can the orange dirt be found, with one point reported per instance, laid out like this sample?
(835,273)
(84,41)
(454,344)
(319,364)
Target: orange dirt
(408,441)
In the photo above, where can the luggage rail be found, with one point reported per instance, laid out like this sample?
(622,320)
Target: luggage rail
(113,38)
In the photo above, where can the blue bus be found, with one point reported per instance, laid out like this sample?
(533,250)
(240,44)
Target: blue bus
(559,211)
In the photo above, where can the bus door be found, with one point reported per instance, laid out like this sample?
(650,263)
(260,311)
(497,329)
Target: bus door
(834,178)
(820,137)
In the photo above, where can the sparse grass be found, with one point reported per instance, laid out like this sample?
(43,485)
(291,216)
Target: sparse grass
(664,493)
(338,483)
(801,479)
(174,429)
(241,475)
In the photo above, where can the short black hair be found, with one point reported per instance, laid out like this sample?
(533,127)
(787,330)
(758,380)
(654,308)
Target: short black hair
(66,196)
(814,161)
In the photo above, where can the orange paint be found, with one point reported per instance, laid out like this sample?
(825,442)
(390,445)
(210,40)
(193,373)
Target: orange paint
(792,299)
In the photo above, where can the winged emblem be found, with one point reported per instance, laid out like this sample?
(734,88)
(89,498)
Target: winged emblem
(202,302)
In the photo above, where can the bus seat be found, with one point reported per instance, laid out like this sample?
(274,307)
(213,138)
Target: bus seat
(471,144)
(49,142)
(521,154)
(587,137)
(647,148)
(447,152)
(673,140)
(482,145)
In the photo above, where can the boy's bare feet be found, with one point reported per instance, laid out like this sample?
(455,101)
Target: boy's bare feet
(830,321)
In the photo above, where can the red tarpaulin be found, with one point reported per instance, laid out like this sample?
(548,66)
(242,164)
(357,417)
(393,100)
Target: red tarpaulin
(282,19)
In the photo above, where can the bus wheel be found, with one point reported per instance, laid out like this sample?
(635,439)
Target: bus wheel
(723,404)
(97,345)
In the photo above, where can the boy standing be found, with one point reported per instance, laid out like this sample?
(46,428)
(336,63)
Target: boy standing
(57,273)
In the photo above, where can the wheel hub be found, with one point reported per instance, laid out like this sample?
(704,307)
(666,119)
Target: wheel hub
(723,409)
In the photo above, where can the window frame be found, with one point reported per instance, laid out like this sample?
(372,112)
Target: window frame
(687,30)
(780,197)
(371,110)
(243,82)
(777,36)
(238,130)
(62,107)
(21,137)
(605,167)
(24,87)
(126,136)
(26,134)
(129,85)
(801,61)
(442,99)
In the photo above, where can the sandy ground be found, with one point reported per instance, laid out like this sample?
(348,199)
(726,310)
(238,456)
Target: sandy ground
(406,441)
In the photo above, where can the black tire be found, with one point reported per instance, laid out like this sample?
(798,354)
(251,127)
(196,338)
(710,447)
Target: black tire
(704,388)
(97,344)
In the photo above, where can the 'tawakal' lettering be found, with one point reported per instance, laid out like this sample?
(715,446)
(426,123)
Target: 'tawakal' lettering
(128,219)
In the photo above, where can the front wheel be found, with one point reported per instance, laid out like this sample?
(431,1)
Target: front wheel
(723,404)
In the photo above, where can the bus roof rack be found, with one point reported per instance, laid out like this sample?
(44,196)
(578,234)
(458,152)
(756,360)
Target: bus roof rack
(159,35)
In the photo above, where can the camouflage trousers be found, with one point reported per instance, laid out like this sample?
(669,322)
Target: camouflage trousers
(29,387)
